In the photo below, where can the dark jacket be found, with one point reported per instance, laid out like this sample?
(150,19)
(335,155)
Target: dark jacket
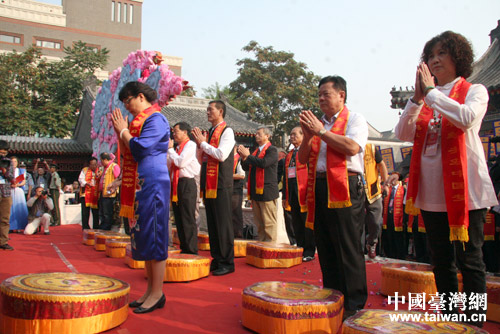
(270,164)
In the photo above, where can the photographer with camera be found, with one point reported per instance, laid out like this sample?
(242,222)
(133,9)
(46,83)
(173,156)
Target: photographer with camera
(6,179)
(41,176)
(39,206)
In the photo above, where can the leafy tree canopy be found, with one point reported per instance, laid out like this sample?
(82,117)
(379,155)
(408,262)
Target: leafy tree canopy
(273,88)
(40,97)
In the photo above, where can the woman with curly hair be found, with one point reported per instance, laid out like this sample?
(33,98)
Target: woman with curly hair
(449,182)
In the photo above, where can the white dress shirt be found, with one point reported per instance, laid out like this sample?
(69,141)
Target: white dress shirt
(186,161)
(357,130)
(468,117)
(226,145)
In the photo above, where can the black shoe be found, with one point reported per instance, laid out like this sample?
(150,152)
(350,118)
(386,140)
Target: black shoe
(307,258)
(6,247)
(159,304)
(135,304)
(46,233)
(213,266)
(222,271)
(348,314)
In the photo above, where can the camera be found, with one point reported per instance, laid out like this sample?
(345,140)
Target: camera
(42,159)
(45,192)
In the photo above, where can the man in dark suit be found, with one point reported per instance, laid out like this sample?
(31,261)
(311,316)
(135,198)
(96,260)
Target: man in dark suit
(262,183)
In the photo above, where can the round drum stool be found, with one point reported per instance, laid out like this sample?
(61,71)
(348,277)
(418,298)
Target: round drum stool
(185,267)
(379,321)
(493,291)
(88,237)
(116,248)
(279,307)
(240,247)
(404,278)
(203,241)
(100,239)
(272,255)
(62,303)
(129,261)
(175,236)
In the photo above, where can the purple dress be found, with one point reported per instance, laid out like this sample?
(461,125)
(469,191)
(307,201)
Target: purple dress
(149,237)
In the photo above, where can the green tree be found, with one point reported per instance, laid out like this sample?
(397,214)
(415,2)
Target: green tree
(217,92)
(40,97)
(273,88)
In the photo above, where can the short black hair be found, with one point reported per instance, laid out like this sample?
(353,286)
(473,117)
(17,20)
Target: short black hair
(183,126)
(338,83)
(219,104)
(53,165)
(105,155)
(134,88)
(92,159)
(458,47)
(4,145)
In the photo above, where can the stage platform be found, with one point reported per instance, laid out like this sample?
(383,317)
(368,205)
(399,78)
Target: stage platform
(207,306)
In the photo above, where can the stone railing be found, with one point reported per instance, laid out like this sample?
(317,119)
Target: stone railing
(33,11)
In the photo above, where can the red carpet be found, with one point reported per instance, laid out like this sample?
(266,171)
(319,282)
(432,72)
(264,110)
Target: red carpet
(209,305)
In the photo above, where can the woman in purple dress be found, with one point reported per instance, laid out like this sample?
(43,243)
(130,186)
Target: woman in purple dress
(145,189)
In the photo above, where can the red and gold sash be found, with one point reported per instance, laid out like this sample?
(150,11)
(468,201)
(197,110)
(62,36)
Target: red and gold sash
(454,163)
(174,173)
(336,172)
(259,172)
(301,177)
(236,158)
(129,176)
(397,207)
(489,227)
(91,193)
(421,225)
(212,176)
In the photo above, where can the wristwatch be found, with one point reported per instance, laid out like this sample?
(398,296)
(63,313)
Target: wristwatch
(322,132)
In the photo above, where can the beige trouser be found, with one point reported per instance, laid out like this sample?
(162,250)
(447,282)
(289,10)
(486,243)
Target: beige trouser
(5,204)
(33,226)
(265,216)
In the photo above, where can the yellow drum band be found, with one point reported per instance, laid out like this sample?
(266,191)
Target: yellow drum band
(88,237)
(203,241)
(100,239)
(493,292)
(270,255)
(266,314)
(129,261)
(62,303)
(240,247)
(375,321)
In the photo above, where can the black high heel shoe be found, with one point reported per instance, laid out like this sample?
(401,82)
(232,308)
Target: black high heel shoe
(159,304)
(135,304)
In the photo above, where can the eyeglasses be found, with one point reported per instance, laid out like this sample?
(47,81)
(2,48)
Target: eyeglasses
(127,101)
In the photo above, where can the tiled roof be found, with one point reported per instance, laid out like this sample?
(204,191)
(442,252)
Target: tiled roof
(486,70)
(194,111)
(39,145)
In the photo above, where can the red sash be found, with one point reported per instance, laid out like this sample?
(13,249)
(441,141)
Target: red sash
(336,176)
(421,225)
(174,173)
(130,176)
(212,176)
(259,173)
(91,193)
(489,227)
(397,207)
(301,177)
(454,163)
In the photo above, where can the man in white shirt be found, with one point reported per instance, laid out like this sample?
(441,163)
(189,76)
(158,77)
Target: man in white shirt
(184,167)
(333,148)
(216,183)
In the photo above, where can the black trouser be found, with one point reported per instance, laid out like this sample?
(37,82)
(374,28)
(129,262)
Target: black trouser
(220,228)
(303,235)
(338,239)
(289,227)
(447,256)
(106,209)
(394,242)
(86,216)
(420,243)
(184,210)
(54,193)
(237,215)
